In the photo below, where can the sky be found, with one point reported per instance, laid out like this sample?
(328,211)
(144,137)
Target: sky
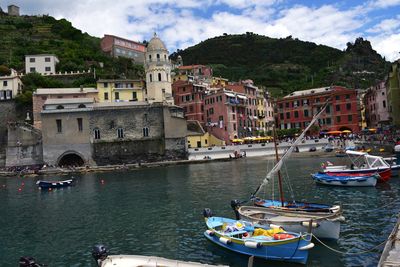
(184,23)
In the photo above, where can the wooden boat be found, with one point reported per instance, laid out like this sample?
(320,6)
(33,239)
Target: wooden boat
(268,209)
(54,184)
(367,180)
(362,163)
(271,243)
(100,254)
(322,224)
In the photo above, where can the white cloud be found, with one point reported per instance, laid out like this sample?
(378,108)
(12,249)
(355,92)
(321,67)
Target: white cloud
(181,23)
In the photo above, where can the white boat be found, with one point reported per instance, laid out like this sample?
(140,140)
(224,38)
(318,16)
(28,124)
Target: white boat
(292,216)
(100,254)
(321,224)
(355,181)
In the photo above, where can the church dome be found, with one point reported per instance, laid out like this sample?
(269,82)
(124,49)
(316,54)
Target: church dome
(155,44)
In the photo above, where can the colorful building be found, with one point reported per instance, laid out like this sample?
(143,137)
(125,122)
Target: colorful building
(42,94)
(297,109)
(10,86)
(190,97)
(393,93)
(121,90)
(197,137)
(192,73)
(376,106)
(121,47)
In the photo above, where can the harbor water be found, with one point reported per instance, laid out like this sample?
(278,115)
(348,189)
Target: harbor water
(158,212)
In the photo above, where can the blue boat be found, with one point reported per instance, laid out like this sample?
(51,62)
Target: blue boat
(54,184)
(262,241)
(343,180)
(295,206)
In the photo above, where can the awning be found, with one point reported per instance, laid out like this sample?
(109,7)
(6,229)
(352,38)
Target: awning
(346,131)
(230,95)
(334,132)
(242,96)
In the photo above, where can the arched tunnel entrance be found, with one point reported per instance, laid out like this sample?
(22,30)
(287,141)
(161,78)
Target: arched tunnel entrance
(71,160)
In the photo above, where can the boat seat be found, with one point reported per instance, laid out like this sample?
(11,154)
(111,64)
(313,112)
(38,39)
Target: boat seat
(215,224)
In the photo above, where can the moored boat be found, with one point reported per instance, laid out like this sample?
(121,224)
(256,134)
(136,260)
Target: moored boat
(323,178)
(100,254)
(322,224)
(54,184)
(392,161)
(262,241)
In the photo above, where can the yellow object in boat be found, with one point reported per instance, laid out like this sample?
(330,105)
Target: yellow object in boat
(381,150)
(270,232)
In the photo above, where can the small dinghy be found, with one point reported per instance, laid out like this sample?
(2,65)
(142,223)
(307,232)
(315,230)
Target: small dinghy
(100,254)
(54,184)
(262,241)
(326,179)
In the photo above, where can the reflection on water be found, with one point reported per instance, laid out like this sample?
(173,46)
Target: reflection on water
(159,212)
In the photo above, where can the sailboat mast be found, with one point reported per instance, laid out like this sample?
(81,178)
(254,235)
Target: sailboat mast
(279,172)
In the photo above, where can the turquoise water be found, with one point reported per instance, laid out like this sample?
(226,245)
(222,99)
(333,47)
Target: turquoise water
(159,212)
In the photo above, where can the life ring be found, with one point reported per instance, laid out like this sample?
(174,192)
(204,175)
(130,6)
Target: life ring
(282,236)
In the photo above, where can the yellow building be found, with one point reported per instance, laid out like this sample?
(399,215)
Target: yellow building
(218,81)
(120,90)
(197,137)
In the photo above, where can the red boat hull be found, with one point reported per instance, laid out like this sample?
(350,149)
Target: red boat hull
(384,174)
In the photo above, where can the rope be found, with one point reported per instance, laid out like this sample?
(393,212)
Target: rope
(349,253)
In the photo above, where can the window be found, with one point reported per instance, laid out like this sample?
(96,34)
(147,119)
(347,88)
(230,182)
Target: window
(82,106)
(328,109)
(60,107)
(159,77)
(234,126)
(32,59)
(96,134)
(350,117)
(281,116)
(158,57)
(105,96)
(347,96)
(384,103)
(47,69)
(337,107)
(348,106)
(151,77)
(59,126)
(145,131)
(149,57)
(134,96)
(287,104)
(328,121)
(337,97)
(233,116)
(120,133)
(32,69)
(306,113)
(116,95)
(105,85)
(287,115)
(296,114)
(338,118)
(5,83)
(80,125)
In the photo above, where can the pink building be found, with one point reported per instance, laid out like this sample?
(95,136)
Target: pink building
(376,105)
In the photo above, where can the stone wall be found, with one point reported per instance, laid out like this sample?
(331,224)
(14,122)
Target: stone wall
(7,114)
(24,145)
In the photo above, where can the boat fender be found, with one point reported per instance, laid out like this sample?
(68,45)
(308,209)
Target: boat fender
(307,247)
(252,244)
(210,233)
(225,240)
(207,213)
(274,226)
(307,224)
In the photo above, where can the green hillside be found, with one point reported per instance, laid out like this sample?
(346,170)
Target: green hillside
(285,65)
(26,35)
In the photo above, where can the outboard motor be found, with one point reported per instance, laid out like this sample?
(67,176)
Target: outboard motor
(235,204)
(99,253)
(28,262)
(207,213)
